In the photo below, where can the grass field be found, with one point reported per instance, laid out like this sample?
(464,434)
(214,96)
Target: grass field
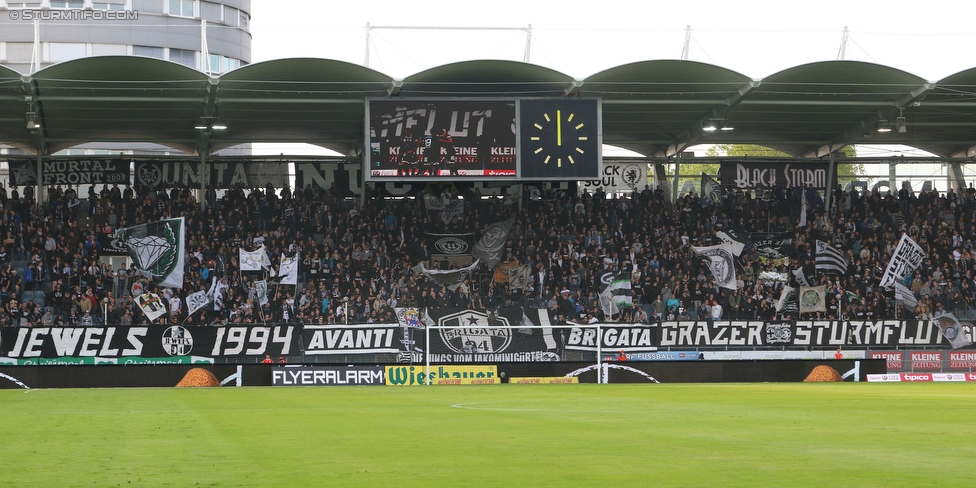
(839,434)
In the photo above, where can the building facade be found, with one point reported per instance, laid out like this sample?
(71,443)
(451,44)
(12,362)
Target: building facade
(209,36)
(164,29)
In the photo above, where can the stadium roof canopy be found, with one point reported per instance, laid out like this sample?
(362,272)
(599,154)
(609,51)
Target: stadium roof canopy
(655,108)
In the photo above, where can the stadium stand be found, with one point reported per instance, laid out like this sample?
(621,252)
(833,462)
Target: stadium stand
(367,253)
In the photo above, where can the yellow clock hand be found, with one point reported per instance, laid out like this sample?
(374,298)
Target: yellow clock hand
(559,128)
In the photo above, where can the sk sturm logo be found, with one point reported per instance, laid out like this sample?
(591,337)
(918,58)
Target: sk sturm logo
(632,175)
(177,341)
(721,264)
(810,299)
(470,332)
(778,333)
(150,175)
(451,245)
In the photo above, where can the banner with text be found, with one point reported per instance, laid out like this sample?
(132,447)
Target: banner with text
(618,178)
(826,333)
(70,172)
(327,376)
(149,341)
(467,336)
(766,174)
(223,174)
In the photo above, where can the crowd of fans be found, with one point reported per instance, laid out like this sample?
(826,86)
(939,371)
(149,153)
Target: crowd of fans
(357,256)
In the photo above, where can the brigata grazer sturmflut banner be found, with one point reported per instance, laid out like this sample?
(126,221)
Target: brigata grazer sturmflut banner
(98,171)
(149,341)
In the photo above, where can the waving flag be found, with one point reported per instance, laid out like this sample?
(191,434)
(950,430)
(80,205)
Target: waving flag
(720,263)
(490,248)
(254,260)
(196,301)
(451,279)
(288,270)
(953,330)
(908,255)
(618,287)
(157,248)
(151,305)
(830,260)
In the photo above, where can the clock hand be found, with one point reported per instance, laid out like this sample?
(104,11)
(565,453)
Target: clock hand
(559,128)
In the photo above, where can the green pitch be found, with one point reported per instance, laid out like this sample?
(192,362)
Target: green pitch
(505,435)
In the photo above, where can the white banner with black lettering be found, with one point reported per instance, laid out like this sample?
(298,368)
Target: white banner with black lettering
(618,178)
(720,262)
(904,261)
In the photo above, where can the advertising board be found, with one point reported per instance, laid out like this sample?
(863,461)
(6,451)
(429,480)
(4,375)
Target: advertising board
(328,376)
(419,375)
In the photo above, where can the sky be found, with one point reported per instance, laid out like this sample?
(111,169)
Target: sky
(580,38)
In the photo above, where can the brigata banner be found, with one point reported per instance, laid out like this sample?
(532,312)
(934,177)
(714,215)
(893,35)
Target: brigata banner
(148,342)
(327,376)
(765,174)
(223,174)
(613,338)
(70,172)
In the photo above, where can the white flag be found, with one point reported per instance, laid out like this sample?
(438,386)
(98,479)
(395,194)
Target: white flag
(216,293)
(288,271)
(254,260)
(953,330)
(450,279)
(812,299)
(262,287)
(196,301)
(904,294)
(732,239)
(151,305)
(803,208)
(907,257)
(720,263)
(784,296)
